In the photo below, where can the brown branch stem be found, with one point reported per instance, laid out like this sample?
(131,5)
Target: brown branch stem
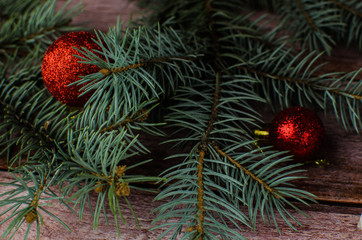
(139,116)
(247,172)
(142,63)
(8,109)
(306,14)
(345,7)
(204,141)
(200,195)
(300,81)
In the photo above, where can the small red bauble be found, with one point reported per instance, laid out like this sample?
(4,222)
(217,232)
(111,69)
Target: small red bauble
(60,67)
(297,130)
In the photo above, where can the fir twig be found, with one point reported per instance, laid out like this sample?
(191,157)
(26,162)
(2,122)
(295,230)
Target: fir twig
(306,15)
(346,7)
(247,172)
(44,26)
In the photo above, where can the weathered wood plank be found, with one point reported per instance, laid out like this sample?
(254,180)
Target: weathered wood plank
(325,222)
(101,15)
(341,181)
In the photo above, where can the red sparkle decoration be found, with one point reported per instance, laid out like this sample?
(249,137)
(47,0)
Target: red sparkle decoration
(60,67)
(297,130)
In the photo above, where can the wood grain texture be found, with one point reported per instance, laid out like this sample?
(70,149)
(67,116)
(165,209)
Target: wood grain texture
(339,185)
(102,14)
(324,222)
(341,181)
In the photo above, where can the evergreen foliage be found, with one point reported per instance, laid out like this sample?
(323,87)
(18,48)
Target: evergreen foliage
(199,67)
(26,25)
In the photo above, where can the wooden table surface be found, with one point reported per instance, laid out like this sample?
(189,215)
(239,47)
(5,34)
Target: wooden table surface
(338,186)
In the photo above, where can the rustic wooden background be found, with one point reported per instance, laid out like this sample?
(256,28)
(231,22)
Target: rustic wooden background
(338,186)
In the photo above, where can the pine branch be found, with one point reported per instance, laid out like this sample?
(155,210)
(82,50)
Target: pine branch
(299,79)
(207,181)
(312,23)
(138,117)
(39,138)
(35,179)
(96,165)
(346,7)
(32,119)
(306,15)
(247,172)
(351,12)
(47,126)
(17,7)
(143,63)
(205,138)
(45,26)
(314,85)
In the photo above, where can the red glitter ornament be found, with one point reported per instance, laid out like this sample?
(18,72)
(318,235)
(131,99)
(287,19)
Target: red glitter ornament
(297,130)
(60,67)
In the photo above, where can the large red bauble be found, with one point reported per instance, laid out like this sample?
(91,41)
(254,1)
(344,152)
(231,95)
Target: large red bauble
(60,67)
(297,130)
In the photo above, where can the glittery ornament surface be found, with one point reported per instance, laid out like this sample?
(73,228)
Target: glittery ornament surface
(297,130)
(60,67)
